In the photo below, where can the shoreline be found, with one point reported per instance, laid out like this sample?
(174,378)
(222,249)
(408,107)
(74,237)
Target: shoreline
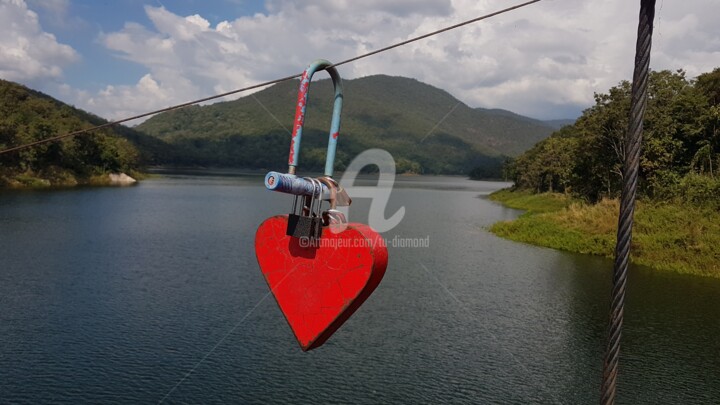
(61,180)
(667,236)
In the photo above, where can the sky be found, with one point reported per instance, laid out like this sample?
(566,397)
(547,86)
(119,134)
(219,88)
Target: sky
(121,58)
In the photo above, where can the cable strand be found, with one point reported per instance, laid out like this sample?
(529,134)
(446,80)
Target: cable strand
(631,168)
(166,109)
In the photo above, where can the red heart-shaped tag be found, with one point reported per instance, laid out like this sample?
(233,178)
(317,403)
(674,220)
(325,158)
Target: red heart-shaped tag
(318,287)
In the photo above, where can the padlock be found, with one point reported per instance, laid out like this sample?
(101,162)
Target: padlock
(342,198)
(338,197)
(289,182)
(307,224)
(332,218)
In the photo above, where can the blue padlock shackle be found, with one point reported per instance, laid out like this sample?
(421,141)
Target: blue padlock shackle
(303,92)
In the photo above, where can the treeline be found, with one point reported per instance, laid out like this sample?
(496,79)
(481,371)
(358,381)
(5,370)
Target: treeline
(442,154)
(27,115)
(680,156)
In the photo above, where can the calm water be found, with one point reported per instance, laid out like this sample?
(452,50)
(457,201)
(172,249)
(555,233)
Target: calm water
(115,295)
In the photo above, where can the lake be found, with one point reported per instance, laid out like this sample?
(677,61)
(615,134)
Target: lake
(152,292)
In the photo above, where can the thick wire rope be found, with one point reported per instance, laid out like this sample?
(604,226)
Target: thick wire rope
(633,143)
(229,93)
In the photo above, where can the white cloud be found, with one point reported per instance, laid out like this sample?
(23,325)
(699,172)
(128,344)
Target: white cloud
(27,53)
(147,95)
(351,8)
(688,36)
(545,60)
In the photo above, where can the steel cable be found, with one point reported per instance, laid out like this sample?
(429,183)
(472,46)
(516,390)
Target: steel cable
(229,93)
(633,143)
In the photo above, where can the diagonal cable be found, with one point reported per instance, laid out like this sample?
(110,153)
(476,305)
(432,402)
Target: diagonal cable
(497,340)
(229,93)
(147,114)
(192,370)
(440,122)
(271,114)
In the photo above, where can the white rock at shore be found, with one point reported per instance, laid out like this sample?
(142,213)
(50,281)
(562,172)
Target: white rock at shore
(121,179)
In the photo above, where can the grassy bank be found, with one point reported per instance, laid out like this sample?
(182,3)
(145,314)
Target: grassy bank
(667,236)
(58,178)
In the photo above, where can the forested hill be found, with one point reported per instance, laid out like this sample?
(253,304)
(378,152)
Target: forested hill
(558,124)
(681,147)
(426,129)
(27,115)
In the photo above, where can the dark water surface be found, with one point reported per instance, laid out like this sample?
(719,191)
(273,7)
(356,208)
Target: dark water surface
(116,294)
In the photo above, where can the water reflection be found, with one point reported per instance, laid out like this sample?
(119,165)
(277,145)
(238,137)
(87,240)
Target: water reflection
(112,295)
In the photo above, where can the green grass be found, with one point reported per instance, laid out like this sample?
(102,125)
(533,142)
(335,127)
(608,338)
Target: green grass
(676,237)
(533,203)
(27,180)
(57,177)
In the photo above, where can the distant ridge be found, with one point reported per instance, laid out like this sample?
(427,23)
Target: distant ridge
(557,124)
(426,129)
(401,115)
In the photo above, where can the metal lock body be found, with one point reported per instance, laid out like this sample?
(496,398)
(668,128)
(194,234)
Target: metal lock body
(307,224)
(332,218)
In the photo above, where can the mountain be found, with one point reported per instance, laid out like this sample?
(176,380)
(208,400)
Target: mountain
(425,128)
(27,115)
(557,124)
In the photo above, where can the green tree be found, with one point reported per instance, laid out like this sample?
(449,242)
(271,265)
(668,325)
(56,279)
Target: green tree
(680,138)
(709,85)
(27,116)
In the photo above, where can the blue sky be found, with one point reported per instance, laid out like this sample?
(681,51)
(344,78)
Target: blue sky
(120,58)
(82,21)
